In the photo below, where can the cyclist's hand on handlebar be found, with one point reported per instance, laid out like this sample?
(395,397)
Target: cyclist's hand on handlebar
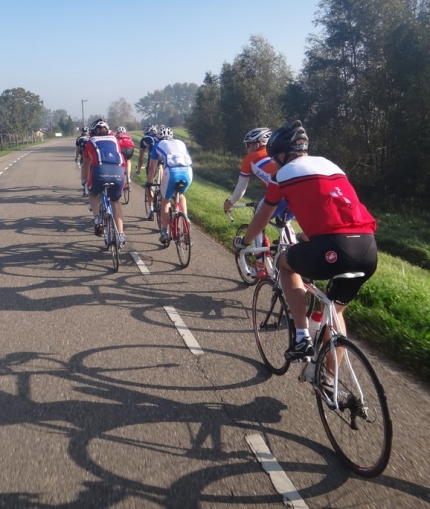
(239,244)
(147,184)
(227,205)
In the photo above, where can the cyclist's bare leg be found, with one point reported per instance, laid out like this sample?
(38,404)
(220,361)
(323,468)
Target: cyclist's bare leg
(295,294)
(94,200)
(117,214)
(129,169)
(165,213)
(183,203)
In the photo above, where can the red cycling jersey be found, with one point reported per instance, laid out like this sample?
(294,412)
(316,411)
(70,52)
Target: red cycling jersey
(320,196)
(125,140)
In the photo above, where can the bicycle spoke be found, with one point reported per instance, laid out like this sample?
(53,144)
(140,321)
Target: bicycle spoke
(272,325)
(360,429)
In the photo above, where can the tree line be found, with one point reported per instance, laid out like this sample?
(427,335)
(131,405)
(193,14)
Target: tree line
(363,95)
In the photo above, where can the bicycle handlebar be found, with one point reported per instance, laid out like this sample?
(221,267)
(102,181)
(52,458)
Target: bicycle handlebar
(250,204)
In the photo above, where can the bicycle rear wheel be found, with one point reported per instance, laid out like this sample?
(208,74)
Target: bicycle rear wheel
(273,327)
(247,277)
(360,430)
(126,191)
(146,201)
(113,243)
(183,239)
(157,207)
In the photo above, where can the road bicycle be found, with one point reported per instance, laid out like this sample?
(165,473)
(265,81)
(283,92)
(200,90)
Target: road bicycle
(110,230)
(179,227)
(153,190)
(285,237)
(350,398)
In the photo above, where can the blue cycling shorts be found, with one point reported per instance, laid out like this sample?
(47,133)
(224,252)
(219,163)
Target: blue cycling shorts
(173,175)
(106,174)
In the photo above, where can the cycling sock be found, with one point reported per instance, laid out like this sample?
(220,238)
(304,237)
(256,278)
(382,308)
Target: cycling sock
(163,230)
(301,333)
(97,219)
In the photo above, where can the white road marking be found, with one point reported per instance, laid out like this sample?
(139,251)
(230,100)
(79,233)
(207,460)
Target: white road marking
(280,481)
(188,338)
(142,267)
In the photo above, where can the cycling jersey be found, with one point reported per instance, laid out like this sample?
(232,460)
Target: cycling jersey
(312,184)
(260,164)
(147,143)
(81,141)
(125,140)
(103,150)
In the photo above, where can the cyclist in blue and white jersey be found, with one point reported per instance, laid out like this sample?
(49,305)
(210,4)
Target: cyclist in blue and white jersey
(177,166)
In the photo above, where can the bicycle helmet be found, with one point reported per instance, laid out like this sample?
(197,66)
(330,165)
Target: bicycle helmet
(286,137)
(259,134)
(164,133)
(98,124)
(85,130)
(151,130)
(121,130)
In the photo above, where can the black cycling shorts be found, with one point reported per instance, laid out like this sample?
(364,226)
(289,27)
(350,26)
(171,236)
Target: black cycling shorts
(127,152)
(325,256)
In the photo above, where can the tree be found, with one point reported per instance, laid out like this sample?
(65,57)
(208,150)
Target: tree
(20,111)
(120,113)
(169,106)
(204,123)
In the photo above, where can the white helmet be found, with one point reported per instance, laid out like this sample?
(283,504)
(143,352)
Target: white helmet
(259,134)
(97,124)
(164,133)
(151,129)
(121,130)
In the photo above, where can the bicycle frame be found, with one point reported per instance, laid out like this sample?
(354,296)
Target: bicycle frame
(331,320)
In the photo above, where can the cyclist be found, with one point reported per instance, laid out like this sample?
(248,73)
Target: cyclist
(177,166)
(80,145)
(146,144)
(338,229)
(126,144)
(256,161)
(103,164)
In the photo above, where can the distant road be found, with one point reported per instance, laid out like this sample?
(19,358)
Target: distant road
(145,388)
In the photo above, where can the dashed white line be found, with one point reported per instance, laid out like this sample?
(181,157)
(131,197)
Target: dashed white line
(142,267)
(280,481)
(188,338)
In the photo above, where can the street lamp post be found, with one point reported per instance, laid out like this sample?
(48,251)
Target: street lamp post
(83,116)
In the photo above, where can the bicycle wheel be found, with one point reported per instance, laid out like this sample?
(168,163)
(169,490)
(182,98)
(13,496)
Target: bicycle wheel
(113,243)
(360,430)
(126,192)
(182,239)
(157,207)
(146,202)
(273,327)
(250,260)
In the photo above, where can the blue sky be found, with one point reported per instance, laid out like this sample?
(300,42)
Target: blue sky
(65,51)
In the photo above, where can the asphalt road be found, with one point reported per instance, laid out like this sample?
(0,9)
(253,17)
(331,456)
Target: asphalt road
(104,405)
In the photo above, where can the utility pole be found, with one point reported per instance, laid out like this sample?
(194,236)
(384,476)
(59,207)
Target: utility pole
(83,115)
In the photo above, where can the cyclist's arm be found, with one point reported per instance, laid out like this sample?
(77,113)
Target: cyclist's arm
(86,168)
(239,191)
(152,169)
(140,159)
(259,222)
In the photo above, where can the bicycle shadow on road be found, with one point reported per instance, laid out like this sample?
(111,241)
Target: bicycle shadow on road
(114,420)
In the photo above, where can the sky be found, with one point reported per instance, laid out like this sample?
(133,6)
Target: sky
(65,51)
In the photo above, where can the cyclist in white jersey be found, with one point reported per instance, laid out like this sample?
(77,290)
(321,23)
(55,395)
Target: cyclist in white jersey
(177,166)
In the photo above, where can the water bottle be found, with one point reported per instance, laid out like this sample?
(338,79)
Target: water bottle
(315,323)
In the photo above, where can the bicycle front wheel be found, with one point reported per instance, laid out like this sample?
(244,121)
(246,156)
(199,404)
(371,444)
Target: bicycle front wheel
(113,244)
(360,429)
(146,201)
(157,207)
(273,327)
(183,239)
(248,276)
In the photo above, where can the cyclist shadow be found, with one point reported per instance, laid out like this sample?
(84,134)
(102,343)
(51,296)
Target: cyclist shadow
(111,407)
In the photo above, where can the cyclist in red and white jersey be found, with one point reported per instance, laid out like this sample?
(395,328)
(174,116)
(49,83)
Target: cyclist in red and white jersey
(126,144)
(257,162)
(104,164)
(338,228)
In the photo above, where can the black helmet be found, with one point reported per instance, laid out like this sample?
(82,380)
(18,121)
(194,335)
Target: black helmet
(284,138)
